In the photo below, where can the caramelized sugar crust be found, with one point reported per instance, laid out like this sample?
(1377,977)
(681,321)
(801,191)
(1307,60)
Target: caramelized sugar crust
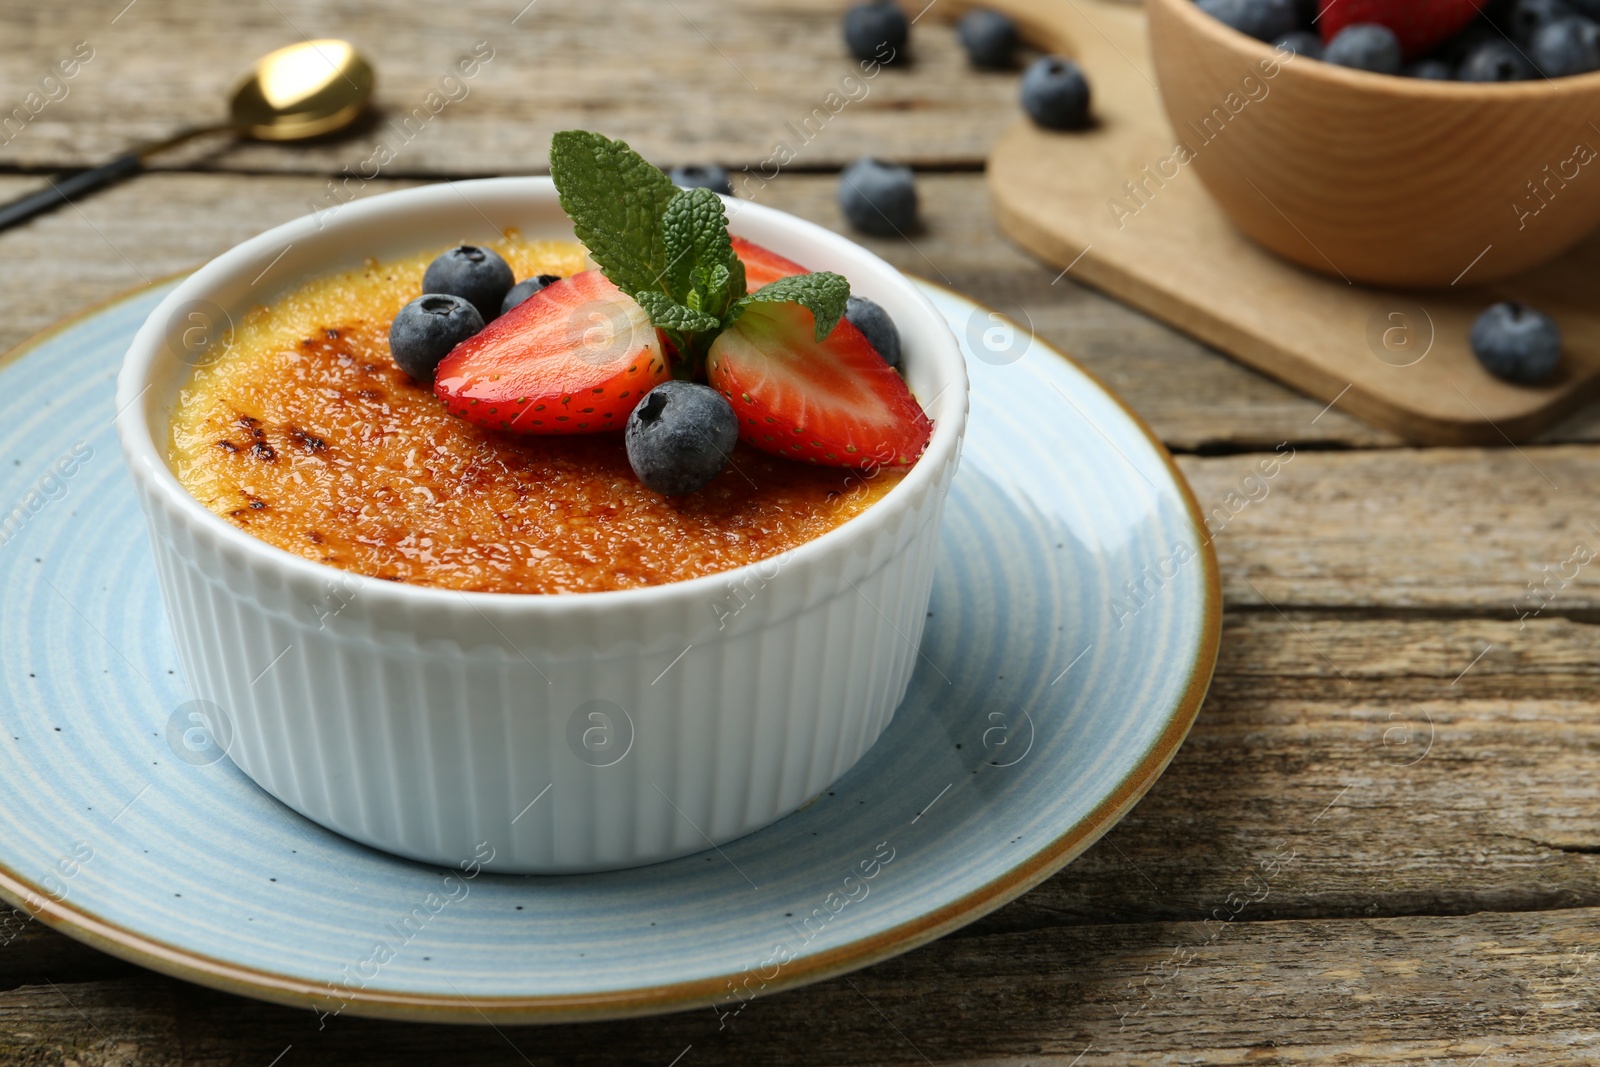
(303,433)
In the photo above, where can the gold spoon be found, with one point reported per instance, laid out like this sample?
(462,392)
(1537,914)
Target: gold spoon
(304,90)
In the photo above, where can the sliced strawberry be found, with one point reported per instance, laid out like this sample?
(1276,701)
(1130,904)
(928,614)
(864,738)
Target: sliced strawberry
(762,265)
(573,358)
(1420,24)
(833,402)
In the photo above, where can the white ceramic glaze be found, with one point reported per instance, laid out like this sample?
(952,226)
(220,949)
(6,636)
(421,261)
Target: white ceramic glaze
(562,733)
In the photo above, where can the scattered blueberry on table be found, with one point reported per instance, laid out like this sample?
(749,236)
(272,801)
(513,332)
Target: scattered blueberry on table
(1055,94)
(426,329)
(989,37)
(526,288)
(680,436)
(877,197)
(875,324)
(477,275)
(706,176)
(1365,46)
(1517,343)
(876,31)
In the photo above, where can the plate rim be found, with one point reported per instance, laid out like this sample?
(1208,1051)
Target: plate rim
(201,969)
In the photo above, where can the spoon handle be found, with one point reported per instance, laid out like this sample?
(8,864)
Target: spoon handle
(63,190)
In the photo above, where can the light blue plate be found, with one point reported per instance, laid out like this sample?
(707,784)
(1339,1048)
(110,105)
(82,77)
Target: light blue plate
(1073,632)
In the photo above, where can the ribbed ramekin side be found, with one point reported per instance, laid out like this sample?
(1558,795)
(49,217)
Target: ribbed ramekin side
(446,727)
(445,748)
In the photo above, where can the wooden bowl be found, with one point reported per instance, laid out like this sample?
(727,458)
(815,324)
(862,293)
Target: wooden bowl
(1391,181)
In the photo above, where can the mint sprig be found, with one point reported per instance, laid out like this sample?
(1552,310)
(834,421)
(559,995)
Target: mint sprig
(668,248)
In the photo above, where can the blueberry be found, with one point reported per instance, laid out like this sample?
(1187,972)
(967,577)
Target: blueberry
(1433,70)
(1055,94)
(709,176)
(524,289)
(1516,343)
(1265,20)
(876,31)
(1456,49)
(427,329)
(989,37)
(680,437)
(1528,17)
(475,274)
(869,317)
(1495,61)
(1566,46)
(1365,46)
(878,197)
(1301,43)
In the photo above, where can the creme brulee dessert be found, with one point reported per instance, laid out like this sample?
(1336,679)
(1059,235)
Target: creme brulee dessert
(305,434)
(430,420)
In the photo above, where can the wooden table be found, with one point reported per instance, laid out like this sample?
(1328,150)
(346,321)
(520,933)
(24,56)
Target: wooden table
(1380,711)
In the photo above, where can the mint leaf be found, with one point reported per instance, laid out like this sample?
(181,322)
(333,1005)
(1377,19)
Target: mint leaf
(822,293)
(688,216)
(718,282)
(695,226)
(667,314)
(616,201)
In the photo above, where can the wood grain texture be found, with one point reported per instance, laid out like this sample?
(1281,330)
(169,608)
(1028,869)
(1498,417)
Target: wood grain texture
(1416,991)
(1411,771)
(686,81)
(1148,232)
(1439,530)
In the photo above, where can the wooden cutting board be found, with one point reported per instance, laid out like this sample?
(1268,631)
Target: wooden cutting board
(1397,359)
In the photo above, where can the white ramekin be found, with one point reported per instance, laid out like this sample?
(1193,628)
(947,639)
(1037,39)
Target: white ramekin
(557,733)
